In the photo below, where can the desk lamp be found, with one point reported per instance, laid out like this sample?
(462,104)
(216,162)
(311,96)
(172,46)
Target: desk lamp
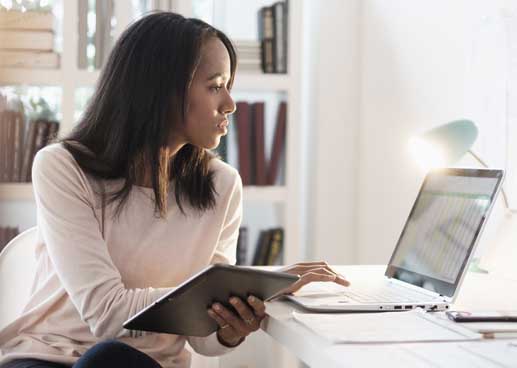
(447,144)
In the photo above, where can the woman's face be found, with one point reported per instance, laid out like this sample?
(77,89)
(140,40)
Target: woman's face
(209,101)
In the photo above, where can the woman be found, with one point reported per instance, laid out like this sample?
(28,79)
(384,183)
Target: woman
(132,202)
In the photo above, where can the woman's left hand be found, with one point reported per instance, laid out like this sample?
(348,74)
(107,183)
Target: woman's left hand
(233,328)
(311,272)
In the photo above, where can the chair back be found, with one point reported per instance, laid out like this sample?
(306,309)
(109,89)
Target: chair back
(17,269)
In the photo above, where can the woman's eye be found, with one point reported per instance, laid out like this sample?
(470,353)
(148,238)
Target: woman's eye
(216,88)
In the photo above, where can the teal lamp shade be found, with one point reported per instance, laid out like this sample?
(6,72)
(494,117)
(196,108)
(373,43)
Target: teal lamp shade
(444,144)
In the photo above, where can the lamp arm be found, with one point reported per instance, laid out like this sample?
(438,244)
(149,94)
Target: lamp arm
(505,198)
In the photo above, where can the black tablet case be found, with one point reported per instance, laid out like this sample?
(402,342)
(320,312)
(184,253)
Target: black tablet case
(184,310)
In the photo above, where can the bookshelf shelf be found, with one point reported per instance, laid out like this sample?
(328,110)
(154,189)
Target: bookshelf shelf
(16,191)
(43,77)
(265,194)
(23,191)
(46,77)
(262,82)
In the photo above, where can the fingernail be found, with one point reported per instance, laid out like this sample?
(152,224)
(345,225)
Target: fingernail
(217,307)
(233,301)
(251,298)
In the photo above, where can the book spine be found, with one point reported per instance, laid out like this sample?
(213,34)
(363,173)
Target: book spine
(243,139)
(9,158)
(242,246)
(3,146)
(27,40)
(266,37)
(279,17)
(3,237)
(42,128)
(28,152)
(262,249)
(260,157)
(18,146)
(278,144)
(53,130)
(29,59)
(276,246)
(28,20)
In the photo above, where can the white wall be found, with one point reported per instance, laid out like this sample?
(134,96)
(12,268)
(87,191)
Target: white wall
(412,78)
(333,130)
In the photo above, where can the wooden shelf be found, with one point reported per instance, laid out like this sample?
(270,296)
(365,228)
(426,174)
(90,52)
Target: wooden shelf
(23,192)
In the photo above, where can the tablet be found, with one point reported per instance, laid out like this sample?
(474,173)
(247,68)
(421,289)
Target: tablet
(184,311)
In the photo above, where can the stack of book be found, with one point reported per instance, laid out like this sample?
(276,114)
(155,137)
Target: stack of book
(248,55)
(273,37)
(253,166)
(6,235)
(27,39)
(19,143)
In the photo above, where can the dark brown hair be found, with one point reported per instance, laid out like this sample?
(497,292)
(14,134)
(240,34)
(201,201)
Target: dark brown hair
(141,95)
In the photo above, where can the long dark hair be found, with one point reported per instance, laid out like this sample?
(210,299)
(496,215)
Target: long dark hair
(140,96)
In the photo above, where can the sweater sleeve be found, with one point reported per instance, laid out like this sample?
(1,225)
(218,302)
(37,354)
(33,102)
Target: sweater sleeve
(72,235)
(225,253)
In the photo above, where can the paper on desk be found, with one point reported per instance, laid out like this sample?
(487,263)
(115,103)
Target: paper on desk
(387,327)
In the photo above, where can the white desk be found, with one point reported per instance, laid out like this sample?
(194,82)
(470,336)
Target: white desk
(479,291)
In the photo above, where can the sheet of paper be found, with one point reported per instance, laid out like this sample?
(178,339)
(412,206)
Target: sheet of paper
(442,355)
(394,327)
(503,352)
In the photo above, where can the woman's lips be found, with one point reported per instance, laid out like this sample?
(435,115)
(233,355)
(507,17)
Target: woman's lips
(223,124)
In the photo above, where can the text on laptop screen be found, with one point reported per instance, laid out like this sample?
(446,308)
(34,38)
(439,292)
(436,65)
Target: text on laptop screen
(440,232)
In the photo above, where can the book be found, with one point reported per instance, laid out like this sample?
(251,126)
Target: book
(261,255)
(13,127)
(242,118)
(280,37)
(18,146)
(242,246)
(29,59)
(28,20)
(278,144)
(275,246)
(258,144)
(27,40)
(4,145)
(39,142)
(28,152)
(53,129)
(266,34)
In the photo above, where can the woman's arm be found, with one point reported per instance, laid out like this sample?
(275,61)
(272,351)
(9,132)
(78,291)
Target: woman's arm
(78,252)
(225,252)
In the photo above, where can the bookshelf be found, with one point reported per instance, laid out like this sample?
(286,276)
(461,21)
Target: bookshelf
(70,78)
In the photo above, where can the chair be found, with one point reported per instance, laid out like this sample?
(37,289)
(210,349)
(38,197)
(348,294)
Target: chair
(17,267)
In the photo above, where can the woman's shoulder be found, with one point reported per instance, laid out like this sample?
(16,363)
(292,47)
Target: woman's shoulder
(225,174)
(55,155)
(55,165)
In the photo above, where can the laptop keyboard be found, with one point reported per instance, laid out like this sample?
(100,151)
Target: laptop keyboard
(387,295)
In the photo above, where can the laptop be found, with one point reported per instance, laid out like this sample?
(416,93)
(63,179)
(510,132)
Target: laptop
(433,252)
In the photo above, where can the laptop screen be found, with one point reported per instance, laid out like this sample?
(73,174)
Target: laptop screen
(443,228)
